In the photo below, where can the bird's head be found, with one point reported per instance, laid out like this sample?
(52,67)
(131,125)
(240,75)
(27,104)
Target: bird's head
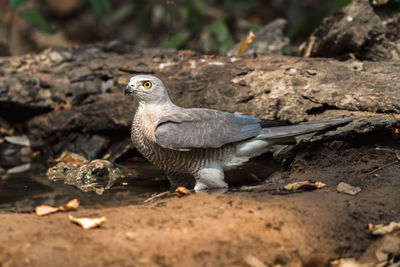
(147,89)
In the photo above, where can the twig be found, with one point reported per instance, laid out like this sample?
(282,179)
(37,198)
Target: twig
(157,196)
(378,169)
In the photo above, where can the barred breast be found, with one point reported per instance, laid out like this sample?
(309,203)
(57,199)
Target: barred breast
(142,135)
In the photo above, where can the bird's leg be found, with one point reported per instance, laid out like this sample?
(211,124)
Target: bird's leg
(180,179)
(210,177)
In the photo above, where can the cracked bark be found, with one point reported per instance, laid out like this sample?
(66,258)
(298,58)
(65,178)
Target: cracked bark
(79,90)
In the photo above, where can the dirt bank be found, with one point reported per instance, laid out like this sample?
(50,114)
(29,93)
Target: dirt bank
(231,229)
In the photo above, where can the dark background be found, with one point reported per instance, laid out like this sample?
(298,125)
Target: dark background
(205,26)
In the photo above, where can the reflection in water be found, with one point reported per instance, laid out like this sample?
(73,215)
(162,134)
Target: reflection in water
(23,191)
(97,175)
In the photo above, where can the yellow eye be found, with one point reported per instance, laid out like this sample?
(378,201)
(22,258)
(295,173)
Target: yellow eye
(147,84)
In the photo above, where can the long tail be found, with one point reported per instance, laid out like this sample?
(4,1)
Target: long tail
(283,134)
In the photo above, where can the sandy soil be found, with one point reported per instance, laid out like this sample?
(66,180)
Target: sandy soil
(265,226)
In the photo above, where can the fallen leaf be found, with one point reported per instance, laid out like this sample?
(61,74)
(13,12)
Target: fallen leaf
(253,261)
(379,2)
(380,229)
(19,169)
(5,131)
(69,158)
(18,140)
(347,262)
(131,235)
(88,223)
(43,210)
(63,106)
(304,185)
(348,189)
(396,116)
(186,52)
(71,205)
(183,191)
(245,43)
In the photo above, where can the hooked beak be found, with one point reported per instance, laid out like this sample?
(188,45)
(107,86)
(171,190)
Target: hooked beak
(129,89)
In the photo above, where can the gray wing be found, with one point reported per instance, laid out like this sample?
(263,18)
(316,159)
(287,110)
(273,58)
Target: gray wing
(204,128)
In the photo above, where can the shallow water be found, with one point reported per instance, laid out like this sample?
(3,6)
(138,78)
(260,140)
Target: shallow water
(23,191)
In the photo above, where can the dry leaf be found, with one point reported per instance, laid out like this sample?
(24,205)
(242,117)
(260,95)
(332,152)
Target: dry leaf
(63,106)
(5,131)
(43,210)
(70,158)
(245,43)
(396,116)
(19,169)
(88,223)
(379,2)
(304,185)
(187,52)
(253,261)
(18,140)
(70,206)
(131,235)
(380,229)
(346,262)
(348,189)
(183,191)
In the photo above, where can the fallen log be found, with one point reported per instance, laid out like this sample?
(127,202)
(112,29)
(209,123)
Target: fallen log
(72,95)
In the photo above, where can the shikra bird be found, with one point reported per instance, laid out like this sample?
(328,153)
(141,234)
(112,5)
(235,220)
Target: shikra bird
(198,142)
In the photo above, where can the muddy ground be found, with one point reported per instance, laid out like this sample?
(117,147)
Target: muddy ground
(239,228)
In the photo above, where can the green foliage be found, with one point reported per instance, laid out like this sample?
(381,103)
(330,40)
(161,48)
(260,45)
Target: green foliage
(220,40)
(340,3)
(143,18)
(14,4)
(175,41)
(99,7)
(31,16)
(198,5)
(210,26)
(242,5)
(287,50)
(254,27)
(191,13)
(123,13)
(36,19)
(303,26)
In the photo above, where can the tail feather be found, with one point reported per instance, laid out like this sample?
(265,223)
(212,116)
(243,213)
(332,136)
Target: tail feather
(282,134)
